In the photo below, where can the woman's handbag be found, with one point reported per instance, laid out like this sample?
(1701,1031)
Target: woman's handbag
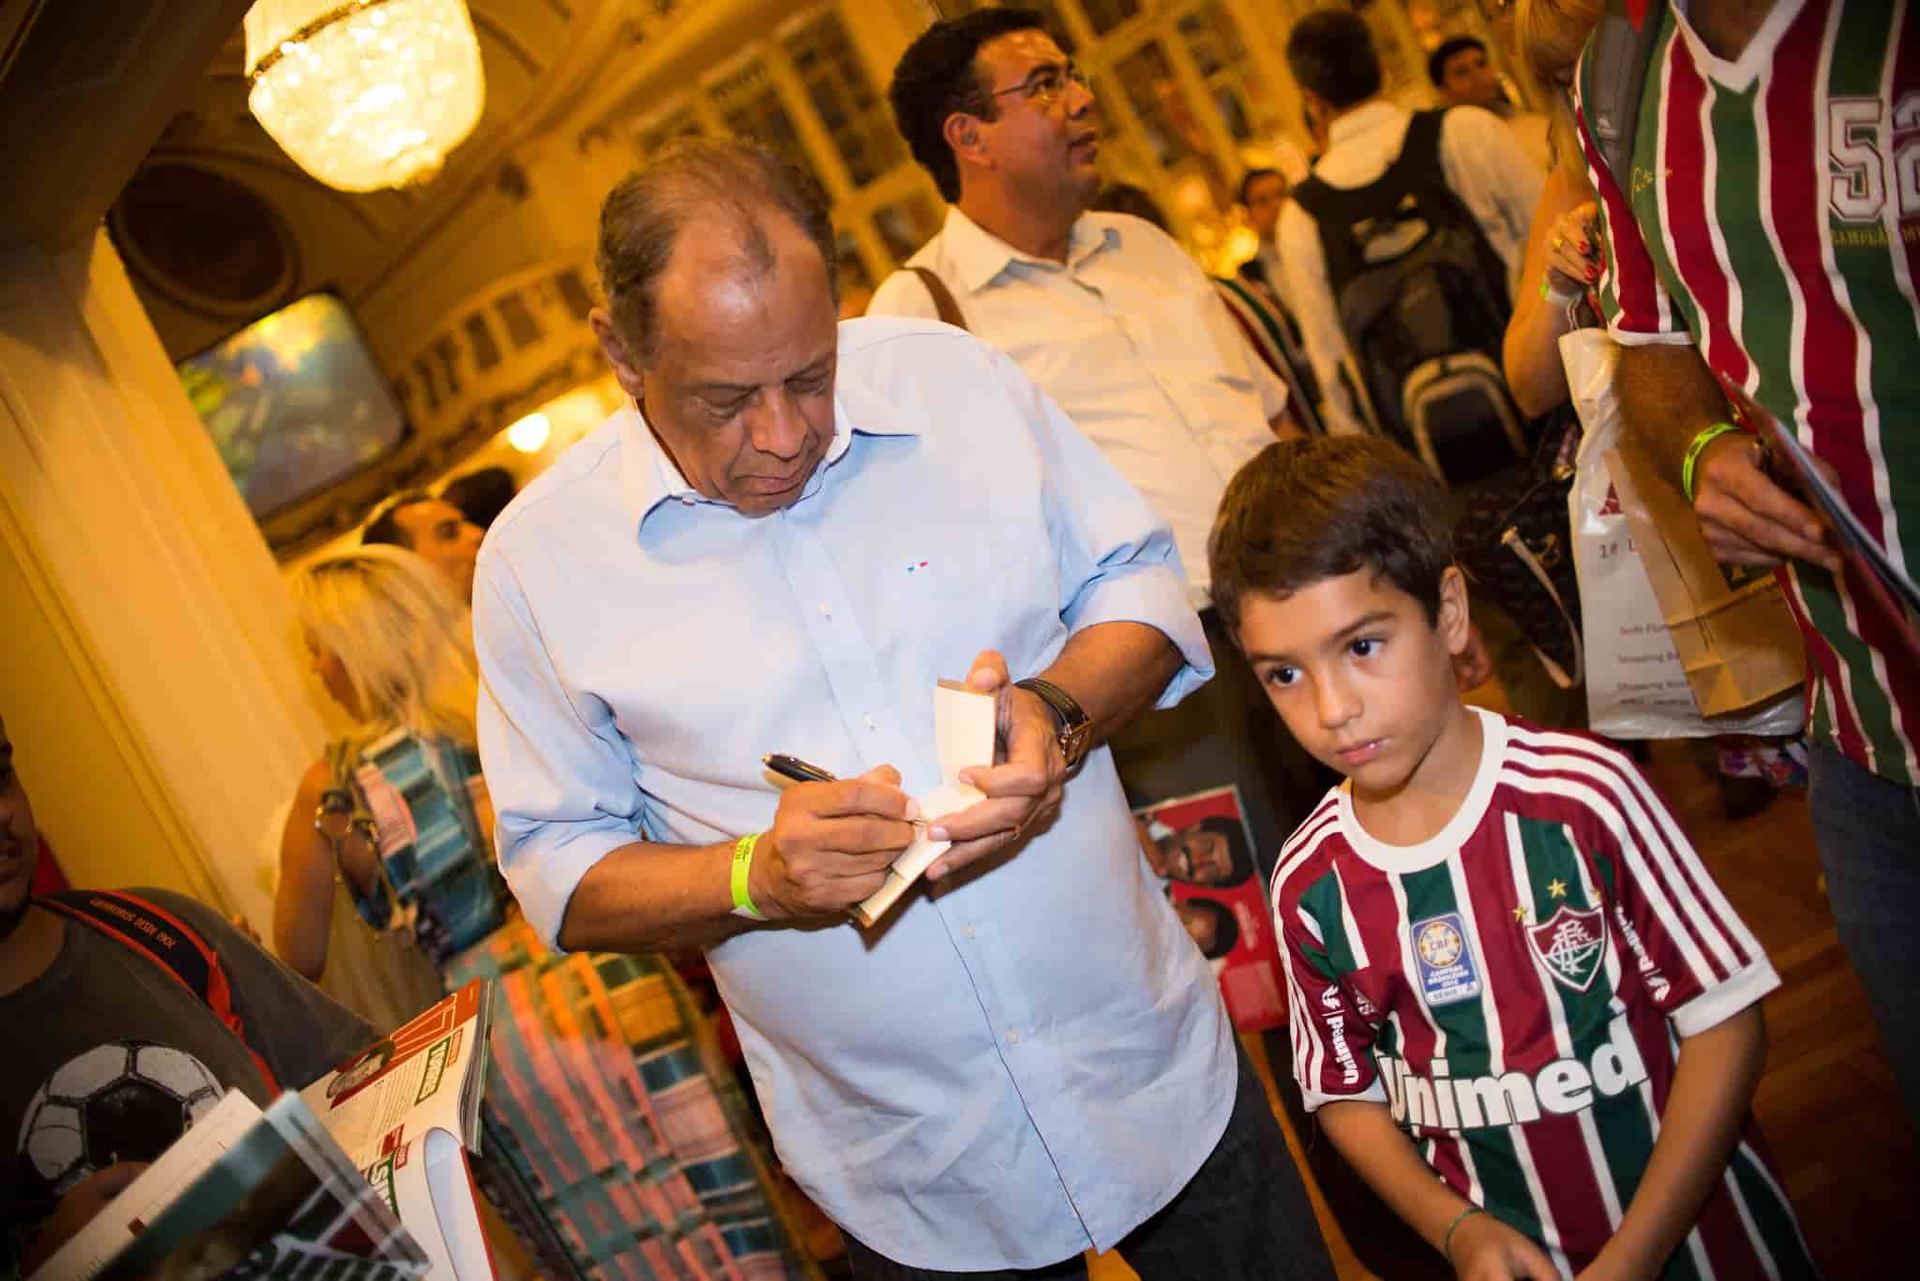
(435,871)
(1513,542)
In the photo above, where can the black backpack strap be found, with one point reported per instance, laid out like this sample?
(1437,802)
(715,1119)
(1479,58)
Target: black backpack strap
(166,940)
(1418,167)
(944,302)
(1330,208)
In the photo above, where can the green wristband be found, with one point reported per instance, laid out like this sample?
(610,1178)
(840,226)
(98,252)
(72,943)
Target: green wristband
(1699,446)
(1446,1242)
(742,863)
(1557,297)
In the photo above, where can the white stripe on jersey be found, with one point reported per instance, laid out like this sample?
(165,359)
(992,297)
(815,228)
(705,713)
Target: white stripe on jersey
(1728,325)
(1305,840)
(1863,376)
(1355,942)
(1645,830)
(1890,211)
(1863,341)
(1556,1013)
(1668,321)
(1764,1173)
(1309,1055)
(1705,892)
(1746,1217)
(1797,370)
(1471,924)
(1305,1043)
(1497,1066)
(1634,856)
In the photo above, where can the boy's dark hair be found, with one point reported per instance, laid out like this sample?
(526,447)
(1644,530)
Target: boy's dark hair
(1252,176)
(1307,510)
(481,495)
(383,529)
(936,77)
(1437,63)
(1330,51)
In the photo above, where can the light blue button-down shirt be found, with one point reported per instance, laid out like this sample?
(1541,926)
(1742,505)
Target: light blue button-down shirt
(1019,1065)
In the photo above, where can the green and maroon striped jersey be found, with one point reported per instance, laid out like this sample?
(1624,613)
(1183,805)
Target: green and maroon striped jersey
(1772,218)
(1513,988)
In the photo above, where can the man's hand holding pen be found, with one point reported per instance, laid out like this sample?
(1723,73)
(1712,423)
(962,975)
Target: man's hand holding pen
(831,844)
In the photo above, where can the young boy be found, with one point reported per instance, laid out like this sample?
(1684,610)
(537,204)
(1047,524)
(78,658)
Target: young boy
(1508,967)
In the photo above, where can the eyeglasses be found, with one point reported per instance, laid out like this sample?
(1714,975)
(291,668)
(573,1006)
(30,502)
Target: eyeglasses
(1045,85)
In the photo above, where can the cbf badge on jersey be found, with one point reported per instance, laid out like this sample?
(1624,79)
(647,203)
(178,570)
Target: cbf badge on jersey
(1448,971)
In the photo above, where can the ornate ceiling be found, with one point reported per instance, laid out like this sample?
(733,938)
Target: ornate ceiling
(219,226)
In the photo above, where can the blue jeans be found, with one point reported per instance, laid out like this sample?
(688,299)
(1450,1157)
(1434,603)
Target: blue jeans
(1868,833)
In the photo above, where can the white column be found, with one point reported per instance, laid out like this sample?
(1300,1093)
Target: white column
(151,679)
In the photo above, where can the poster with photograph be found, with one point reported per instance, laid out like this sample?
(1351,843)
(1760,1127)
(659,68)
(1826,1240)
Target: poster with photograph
(1201,848)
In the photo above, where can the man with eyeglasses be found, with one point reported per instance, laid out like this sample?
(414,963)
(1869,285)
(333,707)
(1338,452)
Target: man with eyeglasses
(1123,330)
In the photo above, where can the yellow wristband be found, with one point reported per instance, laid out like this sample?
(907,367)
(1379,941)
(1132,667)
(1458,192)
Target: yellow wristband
(742,863)
(1446,1242)
(1699,446)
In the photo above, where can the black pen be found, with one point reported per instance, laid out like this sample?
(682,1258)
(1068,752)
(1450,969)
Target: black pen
(796,770)
(792,767)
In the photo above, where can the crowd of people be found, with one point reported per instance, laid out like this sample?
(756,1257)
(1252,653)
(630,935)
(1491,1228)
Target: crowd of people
(1186,533)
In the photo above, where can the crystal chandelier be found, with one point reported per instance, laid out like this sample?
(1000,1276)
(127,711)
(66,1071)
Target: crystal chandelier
(364,94)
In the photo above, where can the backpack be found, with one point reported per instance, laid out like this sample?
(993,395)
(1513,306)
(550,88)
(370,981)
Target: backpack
(1613,76)
(170,943)
(1423,303)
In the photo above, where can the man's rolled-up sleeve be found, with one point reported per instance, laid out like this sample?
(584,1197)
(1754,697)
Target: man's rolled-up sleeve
(1116,556)
(560,776)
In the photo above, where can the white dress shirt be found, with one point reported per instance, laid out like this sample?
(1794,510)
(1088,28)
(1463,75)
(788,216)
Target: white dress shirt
(1129,338)
(1020,1063)
(1485,165)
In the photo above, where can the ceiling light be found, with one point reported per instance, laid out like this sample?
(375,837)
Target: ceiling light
(529,435)
(364,94)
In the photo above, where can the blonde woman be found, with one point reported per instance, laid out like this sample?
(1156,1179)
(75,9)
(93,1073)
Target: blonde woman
(393,649)
(393,826)
(1563,259)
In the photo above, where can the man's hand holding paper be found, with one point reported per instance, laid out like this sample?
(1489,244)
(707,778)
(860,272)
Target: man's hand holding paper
(1023,785)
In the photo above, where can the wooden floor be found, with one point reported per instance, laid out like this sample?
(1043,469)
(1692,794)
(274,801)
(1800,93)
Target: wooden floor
(1827,1105)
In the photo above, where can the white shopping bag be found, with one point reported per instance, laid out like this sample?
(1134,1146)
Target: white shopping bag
(1636,684)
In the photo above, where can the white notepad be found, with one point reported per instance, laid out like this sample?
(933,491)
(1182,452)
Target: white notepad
(965,722)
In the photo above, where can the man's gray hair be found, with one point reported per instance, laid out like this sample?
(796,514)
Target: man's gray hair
(726,188)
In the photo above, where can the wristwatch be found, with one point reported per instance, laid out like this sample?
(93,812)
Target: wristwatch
(1074,729)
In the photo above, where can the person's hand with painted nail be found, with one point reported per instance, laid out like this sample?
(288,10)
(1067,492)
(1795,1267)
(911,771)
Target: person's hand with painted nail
(1573,250)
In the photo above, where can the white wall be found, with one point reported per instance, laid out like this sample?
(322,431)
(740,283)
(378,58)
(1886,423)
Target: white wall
(149,674)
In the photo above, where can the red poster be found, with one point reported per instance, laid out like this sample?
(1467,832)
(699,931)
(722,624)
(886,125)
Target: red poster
(1200,846)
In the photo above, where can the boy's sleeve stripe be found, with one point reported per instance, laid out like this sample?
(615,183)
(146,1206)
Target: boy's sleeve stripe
(1638,861)
(1719,1003)
(1666,866)
(1300,847)
(1708,898)
(1663,862)
(1312,1099)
